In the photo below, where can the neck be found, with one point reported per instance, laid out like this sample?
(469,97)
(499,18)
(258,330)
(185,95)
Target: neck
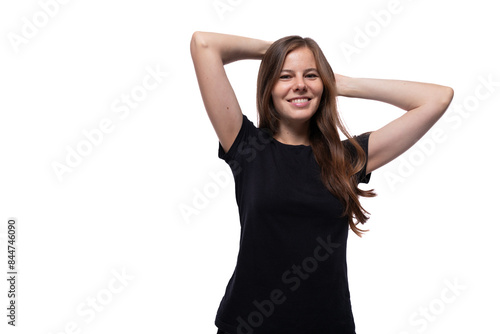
(293,134)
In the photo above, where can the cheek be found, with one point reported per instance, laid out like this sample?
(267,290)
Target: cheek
(274,94)
(274,98)
(277,96)
(319,92)
(278,91)
(276,102)
(320,88)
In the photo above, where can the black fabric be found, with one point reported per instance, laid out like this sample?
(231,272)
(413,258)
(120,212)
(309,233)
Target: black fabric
(291,272)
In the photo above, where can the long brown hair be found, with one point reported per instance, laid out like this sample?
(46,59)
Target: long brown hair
(338,167)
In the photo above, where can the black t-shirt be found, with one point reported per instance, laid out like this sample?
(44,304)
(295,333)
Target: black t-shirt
(291,272)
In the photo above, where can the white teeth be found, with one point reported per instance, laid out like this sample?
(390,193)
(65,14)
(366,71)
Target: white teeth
(299,100)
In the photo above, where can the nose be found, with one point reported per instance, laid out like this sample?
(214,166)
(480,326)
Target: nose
(300,85)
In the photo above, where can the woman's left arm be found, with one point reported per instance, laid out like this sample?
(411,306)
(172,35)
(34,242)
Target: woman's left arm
(425,103)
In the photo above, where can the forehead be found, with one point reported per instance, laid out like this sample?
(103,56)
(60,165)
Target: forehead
(300,58)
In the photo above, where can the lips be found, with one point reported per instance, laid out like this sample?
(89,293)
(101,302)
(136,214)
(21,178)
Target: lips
(300,102)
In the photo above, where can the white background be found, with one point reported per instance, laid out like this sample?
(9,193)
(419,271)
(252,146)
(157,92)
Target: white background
(119,209)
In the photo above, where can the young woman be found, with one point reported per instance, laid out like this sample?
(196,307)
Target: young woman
(296,181)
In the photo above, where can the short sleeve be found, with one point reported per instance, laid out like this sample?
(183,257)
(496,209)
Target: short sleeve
(249,141)
(363,142)
(231,154)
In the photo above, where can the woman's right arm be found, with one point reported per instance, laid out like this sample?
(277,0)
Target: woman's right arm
(210,52)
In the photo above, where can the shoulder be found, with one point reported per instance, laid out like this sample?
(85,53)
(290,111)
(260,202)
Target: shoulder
(361,139)
(353,156)
(249,140)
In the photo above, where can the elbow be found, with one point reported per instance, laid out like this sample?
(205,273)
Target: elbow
(448,94)
(198,41)
(446,97)
(440,100)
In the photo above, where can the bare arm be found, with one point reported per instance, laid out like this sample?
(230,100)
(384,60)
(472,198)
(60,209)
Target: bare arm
(425,103)
(210,52)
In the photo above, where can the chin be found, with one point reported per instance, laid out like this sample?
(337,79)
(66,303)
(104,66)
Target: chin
(298,115)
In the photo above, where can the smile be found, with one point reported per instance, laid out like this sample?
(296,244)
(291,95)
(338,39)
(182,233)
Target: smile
(301,100)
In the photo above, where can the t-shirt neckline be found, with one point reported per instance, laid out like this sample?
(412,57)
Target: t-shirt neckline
(290,145)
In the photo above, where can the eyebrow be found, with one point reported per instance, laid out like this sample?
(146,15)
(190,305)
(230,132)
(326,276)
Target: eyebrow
(307,70)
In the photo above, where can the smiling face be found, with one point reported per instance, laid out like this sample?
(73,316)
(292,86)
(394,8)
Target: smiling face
(297,93)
